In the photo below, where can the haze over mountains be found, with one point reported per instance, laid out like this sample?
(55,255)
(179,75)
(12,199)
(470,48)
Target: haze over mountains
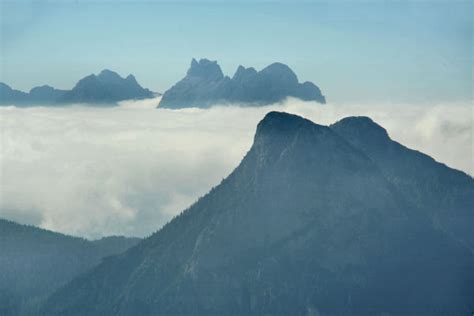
(106,88)
(315,220)
(34,262)
(205,85)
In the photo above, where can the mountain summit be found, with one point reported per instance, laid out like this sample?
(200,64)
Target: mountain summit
(312,221)
(205,85)
(205,69)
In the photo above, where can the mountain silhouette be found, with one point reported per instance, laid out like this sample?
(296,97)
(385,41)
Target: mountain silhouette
(34,262)
(307,224)
(205,85)
(106,88)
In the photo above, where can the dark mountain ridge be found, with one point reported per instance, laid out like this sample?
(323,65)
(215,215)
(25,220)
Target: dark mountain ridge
(205,85)
(106,88)
(308,223)
(446,194)
(34,262)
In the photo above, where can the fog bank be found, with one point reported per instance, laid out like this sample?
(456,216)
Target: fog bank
(127,170)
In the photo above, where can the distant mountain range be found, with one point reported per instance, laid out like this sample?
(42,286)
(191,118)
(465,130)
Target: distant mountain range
(35,262)
(205,85)
(316,220)
(106,88)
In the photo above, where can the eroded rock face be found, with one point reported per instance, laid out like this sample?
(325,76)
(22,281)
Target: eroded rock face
(205,85)
(313,220)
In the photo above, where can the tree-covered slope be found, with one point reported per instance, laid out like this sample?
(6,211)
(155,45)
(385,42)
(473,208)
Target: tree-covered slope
(34,262)
(306,224)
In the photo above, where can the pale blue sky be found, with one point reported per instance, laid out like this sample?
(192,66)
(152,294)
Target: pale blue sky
(356,51)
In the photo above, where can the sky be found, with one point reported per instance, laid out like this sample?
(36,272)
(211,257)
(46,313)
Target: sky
(355,51)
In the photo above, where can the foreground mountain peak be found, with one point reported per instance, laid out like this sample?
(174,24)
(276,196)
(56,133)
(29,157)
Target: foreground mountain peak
(276,122)
(308,221)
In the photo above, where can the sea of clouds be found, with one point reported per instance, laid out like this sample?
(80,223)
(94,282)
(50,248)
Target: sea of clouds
(127,170)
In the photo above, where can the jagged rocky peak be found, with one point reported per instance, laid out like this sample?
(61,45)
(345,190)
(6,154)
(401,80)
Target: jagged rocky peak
(205,85)
(206,69)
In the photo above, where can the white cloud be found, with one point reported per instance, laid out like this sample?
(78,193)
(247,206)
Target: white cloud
(127,170)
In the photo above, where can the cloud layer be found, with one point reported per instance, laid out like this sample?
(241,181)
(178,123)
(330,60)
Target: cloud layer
(127,170)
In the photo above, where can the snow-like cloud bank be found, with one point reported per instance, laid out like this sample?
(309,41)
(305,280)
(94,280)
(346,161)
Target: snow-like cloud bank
(129,169)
